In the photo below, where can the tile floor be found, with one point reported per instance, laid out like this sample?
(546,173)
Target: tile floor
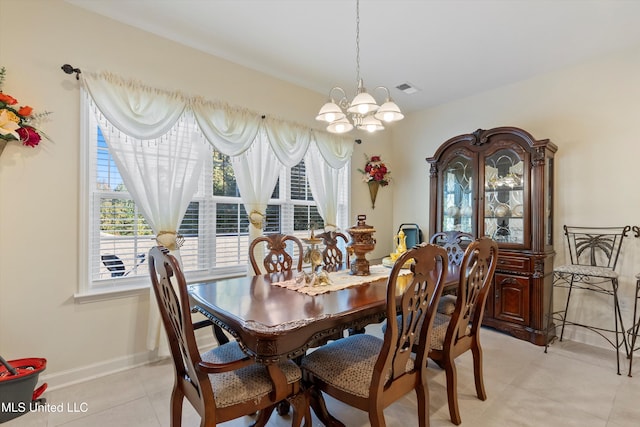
(571,385)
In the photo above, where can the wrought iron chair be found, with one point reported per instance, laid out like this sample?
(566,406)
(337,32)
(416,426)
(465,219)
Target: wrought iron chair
(333,258)
(455,242)
(224,383)
(370,373)
(455,334)
(593,255)
(634,330)
(277,259)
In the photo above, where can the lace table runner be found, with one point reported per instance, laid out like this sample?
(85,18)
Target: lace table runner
(339,280)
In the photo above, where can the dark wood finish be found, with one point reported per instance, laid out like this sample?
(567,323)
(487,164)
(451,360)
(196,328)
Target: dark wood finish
(193,376)
(463,330)
(274,323)
(522,287)
(415,301)
(276,258)
(332,257)
(454,242)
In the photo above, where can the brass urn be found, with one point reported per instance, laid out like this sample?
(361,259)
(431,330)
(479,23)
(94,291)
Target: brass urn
(362,241)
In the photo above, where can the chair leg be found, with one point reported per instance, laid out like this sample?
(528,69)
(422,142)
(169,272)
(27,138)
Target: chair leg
(634,327)
(177,397)
(566,307)
(619,325)
(422,395)
(452,390)
(320,408)
(376,416)
(476,350)
(301,409)
(263,416)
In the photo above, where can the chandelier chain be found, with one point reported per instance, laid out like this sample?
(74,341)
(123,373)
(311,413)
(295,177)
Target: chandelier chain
(357,42)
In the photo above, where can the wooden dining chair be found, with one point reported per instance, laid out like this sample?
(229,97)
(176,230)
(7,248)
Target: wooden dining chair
(455,334)
(370,373)
(276,258)
(333,258)
(455,243)
(223,383)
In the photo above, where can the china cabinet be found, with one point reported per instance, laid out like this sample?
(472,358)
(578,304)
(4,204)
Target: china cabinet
(499,183)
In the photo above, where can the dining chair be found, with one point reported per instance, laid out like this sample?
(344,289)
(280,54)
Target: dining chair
(333,258)
(370,373)
(276,259)
(223,383)
(455,242)
(459,332)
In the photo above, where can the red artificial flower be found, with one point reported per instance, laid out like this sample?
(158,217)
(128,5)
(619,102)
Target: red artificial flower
(28,136)
(25,111)
(7,99)
(375,158)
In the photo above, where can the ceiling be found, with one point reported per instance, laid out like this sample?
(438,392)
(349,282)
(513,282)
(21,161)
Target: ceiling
(448,49)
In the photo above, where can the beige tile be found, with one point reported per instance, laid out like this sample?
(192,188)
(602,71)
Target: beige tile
(137,413)
(572,385)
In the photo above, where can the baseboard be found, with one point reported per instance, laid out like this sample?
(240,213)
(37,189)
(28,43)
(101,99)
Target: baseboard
(90,372)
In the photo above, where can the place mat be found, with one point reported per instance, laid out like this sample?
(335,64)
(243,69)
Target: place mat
(339,280)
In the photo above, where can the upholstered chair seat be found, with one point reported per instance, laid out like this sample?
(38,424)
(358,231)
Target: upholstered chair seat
(244,384)
(348,364)
(587,270)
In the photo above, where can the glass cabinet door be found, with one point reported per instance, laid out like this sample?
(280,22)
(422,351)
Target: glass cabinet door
(457,196)
(504,204)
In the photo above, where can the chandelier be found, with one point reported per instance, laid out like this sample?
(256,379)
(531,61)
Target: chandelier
(364,111)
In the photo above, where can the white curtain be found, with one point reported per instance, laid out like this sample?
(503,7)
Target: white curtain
(256,171)
(136,110)
(161,173)
(325,160)
(323,181)
(230,130)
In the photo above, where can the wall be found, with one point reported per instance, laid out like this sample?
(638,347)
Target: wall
(39,221)
(591,113)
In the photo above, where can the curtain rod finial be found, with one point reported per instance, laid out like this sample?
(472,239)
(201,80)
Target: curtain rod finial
(69,69)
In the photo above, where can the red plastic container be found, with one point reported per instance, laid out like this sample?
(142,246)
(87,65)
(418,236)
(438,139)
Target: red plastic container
(18,379)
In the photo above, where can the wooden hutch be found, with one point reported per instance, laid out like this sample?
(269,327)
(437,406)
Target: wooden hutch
(499,182)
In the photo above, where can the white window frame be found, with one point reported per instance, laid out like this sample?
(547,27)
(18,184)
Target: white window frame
(92,289)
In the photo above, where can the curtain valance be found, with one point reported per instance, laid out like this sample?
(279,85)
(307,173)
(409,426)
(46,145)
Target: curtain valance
(147,113)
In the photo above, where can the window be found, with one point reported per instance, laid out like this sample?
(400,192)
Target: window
(215,226)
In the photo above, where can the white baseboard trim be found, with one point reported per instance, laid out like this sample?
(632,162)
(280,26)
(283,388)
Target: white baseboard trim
(90,372)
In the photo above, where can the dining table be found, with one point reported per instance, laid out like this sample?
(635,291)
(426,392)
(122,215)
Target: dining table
(273,323)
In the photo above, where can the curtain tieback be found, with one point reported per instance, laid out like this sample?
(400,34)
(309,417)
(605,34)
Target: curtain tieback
(256,218)
(170,240)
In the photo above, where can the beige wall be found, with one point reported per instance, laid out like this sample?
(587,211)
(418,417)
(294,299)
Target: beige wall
(588,111)
(39,212)
(591,113)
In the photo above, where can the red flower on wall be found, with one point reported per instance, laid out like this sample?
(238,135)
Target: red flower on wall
(375,170)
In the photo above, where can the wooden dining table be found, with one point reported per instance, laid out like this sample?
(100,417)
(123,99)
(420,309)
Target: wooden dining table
(273,323)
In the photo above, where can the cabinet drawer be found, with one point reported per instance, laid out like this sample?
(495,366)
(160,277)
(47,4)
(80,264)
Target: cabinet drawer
(514,263)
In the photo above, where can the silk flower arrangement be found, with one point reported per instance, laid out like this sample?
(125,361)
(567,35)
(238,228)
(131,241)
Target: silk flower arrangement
(17,123)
